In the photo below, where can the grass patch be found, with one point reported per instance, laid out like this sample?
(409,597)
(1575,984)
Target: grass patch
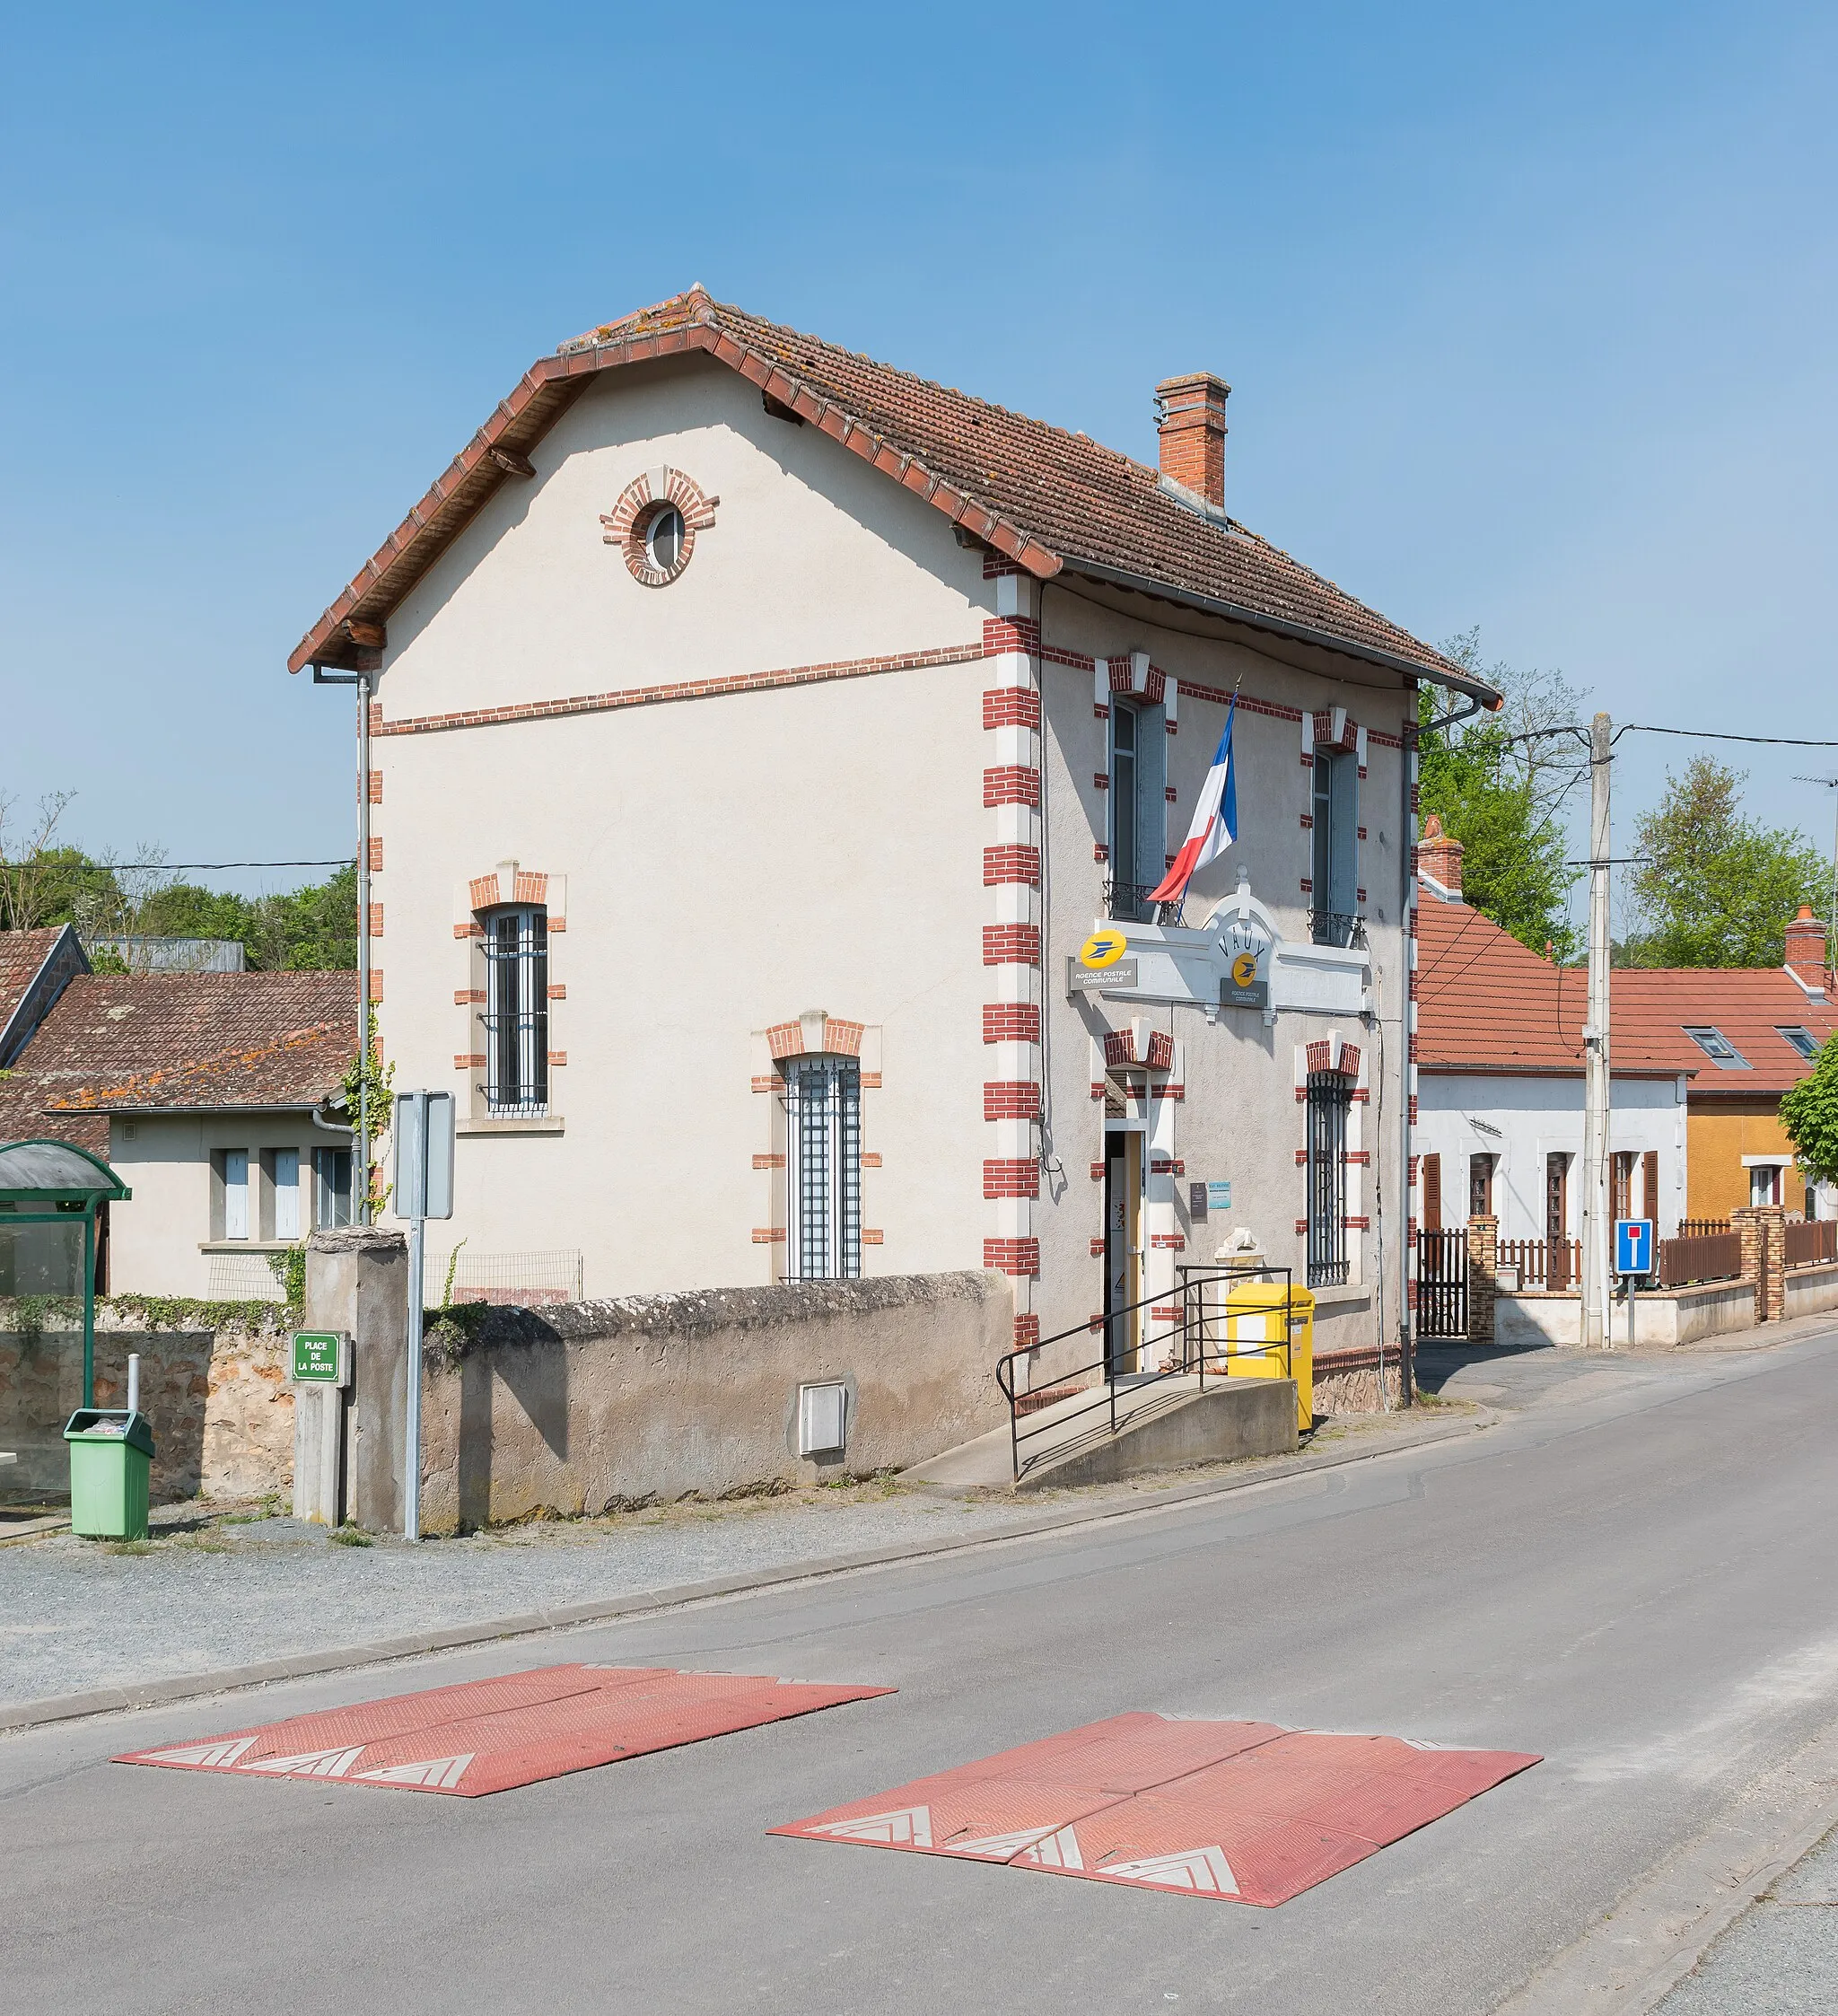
(129,1546)
(351,1536)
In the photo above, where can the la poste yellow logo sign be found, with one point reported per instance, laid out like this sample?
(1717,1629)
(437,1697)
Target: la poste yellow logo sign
(1102,949)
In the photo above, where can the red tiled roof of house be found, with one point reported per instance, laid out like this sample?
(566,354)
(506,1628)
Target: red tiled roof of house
(1487,1003)
(1749,1006)
(181,1040)
(22,956)
(1048,499)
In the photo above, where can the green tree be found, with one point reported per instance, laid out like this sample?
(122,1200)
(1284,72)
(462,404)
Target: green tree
(1712,888)
(1809,1113)
(45,880)
(1504,796)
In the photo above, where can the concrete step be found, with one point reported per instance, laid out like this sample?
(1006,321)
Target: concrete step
(1161,1423)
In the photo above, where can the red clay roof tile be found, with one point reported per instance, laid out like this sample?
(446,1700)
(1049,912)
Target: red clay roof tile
(1047,498)
(1487,1003)
(152,1040)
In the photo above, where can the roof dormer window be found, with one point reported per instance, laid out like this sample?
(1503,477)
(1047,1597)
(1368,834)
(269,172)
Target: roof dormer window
(1718,1048)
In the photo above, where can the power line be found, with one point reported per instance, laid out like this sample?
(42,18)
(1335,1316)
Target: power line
(53,867)
(1647,728)
(1720,735)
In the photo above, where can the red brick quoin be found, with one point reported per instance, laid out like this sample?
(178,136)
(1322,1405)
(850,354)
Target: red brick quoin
(1011,1021)
(1011,1256)
(1011,944)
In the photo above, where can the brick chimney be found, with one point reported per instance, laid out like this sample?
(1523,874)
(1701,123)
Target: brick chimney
(1805,947)
(1190,415)
(1439,857)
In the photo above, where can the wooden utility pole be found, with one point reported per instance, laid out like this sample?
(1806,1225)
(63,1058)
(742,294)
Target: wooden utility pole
(1595,1172)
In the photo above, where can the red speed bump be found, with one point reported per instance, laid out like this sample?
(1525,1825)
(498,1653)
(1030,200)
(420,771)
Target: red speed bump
(1241,1810)
(486,1736)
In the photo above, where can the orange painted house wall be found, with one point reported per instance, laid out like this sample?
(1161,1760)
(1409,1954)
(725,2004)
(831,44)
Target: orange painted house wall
(1717,1137)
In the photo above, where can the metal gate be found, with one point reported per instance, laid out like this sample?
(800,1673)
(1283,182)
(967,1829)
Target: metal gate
(1442,1283)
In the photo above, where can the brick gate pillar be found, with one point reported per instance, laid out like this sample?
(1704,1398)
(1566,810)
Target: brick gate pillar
(1484,1262)
(1764,1229)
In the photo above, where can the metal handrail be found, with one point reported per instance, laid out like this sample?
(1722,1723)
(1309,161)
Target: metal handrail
(1191,1290)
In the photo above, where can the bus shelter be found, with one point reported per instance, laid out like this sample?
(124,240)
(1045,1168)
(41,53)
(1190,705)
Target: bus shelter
(49,1194)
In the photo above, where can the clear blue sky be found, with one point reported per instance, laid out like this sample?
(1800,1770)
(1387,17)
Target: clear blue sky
(1528,314)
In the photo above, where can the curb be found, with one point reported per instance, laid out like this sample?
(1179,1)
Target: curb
(188,1687)
(1657,1931)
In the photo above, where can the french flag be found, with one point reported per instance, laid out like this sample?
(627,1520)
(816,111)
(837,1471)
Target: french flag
(1215,820)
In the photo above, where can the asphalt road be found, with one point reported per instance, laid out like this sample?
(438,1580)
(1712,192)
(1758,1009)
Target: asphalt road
(1633,1574)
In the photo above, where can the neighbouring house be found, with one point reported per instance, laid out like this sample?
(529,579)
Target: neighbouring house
(1699,1057)
(1749,1035)
(209,1093)
(760,732)
(35,967)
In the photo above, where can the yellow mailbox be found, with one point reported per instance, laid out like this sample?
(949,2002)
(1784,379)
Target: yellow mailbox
(1270,1334)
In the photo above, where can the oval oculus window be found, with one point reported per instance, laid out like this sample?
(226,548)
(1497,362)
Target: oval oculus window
(663,539)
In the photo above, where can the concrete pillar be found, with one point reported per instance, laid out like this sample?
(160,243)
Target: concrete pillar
(357,1282)
(1764,1229)
(1484,1262)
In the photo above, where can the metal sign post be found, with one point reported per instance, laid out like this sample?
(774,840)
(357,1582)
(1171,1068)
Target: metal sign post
(422,1133)
(1634,1257)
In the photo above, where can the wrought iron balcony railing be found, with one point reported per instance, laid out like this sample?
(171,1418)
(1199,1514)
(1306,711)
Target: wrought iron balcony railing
(1336,927)
(1131,903)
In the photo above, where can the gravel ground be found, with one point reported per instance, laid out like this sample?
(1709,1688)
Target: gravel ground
(210,1591)
(1780,1958)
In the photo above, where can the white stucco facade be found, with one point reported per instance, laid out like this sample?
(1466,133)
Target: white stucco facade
(173,1237)
(843,785)
(1522,1120)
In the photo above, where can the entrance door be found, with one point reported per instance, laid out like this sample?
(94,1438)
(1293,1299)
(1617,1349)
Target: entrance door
(1123,1248)
(1557,1220)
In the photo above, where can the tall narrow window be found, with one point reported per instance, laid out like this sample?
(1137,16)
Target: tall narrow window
(331,1185)
(823,1168)
(1621,1184)
(1138,808)
(517,1009)
(236,1192)
(1480,1186)
(1330,1095)
(287,1181)
(1333,919)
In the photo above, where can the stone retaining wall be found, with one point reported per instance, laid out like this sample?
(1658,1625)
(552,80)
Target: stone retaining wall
(221,1416)
(596,1405)
(1809,1290)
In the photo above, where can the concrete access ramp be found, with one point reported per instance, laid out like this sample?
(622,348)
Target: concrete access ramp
(1161,1424)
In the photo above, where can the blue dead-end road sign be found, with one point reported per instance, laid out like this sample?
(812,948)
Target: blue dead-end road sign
(1634,1246)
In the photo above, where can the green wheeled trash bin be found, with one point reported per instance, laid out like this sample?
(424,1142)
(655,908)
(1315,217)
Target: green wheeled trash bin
(112,1454)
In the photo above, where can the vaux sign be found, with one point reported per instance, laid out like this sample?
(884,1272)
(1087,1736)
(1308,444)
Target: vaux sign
(1235,959)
